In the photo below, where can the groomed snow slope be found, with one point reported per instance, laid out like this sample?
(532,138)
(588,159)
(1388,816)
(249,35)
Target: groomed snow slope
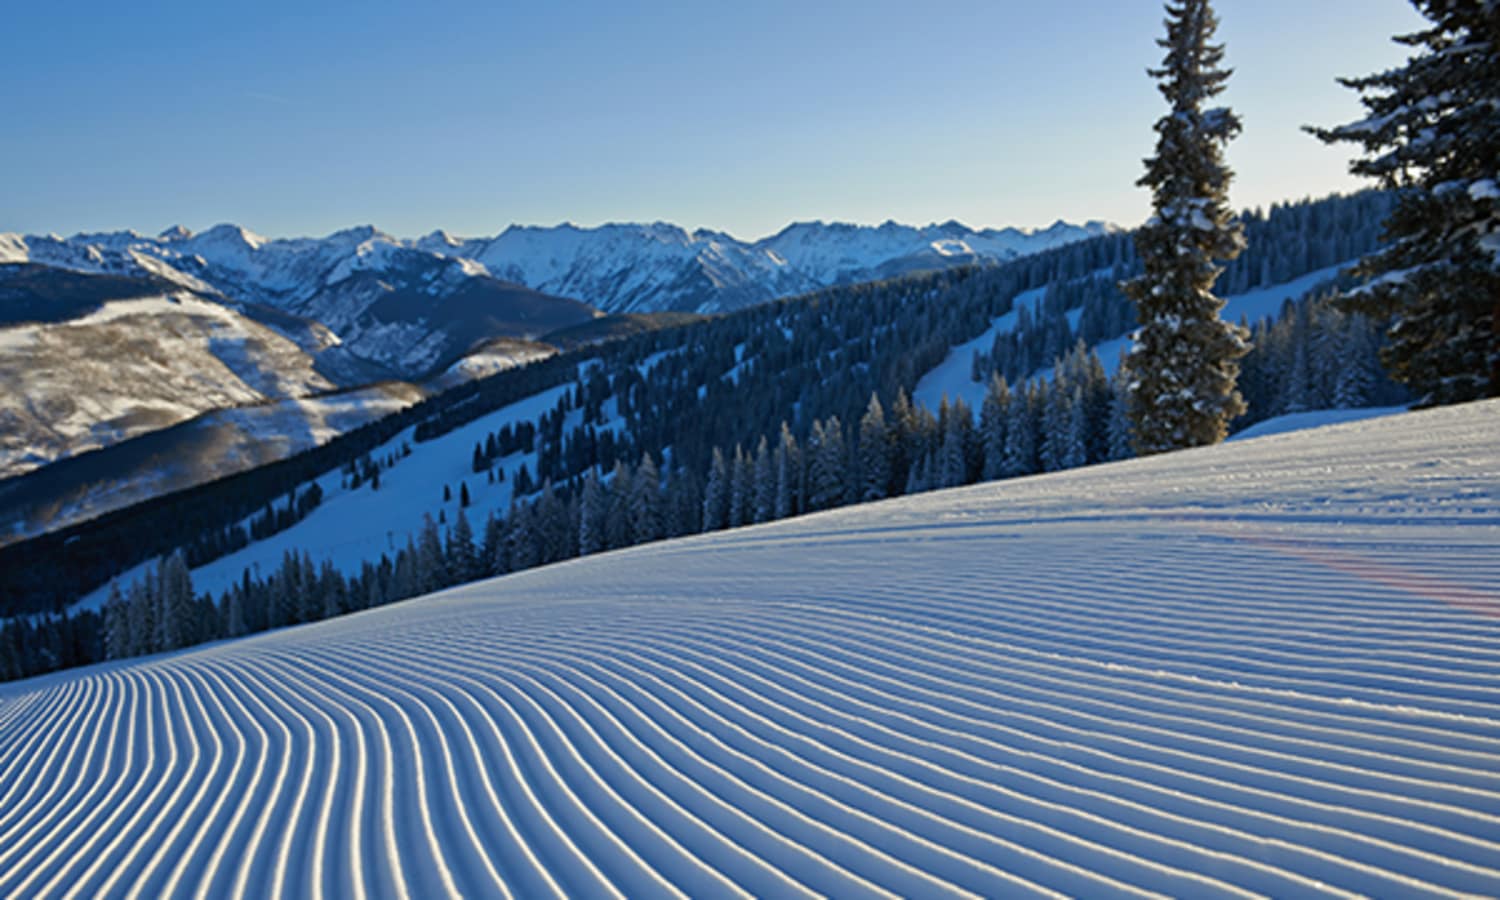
(1270,667)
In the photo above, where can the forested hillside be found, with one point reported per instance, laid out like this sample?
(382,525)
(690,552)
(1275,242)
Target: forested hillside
(780,409)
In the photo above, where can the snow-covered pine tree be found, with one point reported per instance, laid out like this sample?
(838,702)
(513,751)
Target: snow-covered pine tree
(617,531)
(1117,430)
(1433,136)
(1057,417)
(1184,356)
(788,462)
(593,510)
(1354,381)
(178,625)
(234,613)
(739,488)
(826,464)
(494,536)
(463,556)
(765,482)
(1076,450)
(432,562)
(716,494)
(951,467)
(521,538)
(1020,433)
(116,624)
(993,415)
(645,502)
(874,452)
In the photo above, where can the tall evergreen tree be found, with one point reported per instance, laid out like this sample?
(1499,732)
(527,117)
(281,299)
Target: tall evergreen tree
(617,530)
(116,624)
(874,452)
(432,561)
(1433,136)
(788,462)
(645,503)
(593,510)
(716,493)
(765,482)
(1185,357)
(740,496)
(825,464)
(178,624)
(463,556)
(993,416)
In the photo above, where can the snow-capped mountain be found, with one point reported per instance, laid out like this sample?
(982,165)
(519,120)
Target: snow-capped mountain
(406,310)
(340,279)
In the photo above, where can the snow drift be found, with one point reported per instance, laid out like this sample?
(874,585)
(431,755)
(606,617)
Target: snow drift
(1270,667)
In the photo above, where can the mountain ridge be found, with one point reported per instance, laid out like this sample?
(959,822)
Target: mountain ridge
(616,267)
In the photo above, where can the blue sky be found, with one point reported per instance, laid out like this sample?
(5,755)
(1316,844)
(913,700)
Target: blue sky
(302,118)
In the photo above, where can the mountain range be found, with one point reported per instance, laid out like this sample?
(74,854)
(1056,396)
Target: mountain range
(409,304)
(108,336)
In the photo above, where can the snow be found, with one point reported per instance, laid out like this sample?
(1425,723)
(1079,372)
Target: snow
(1269,667)
(350,527)
(951,377)
(491,361)
(1265,303)
(134,366)
(1314,419)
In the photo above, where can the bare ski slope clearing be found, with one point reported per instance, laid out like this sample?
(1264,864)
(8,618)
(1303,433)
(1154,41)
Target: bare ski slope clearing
(1270,667)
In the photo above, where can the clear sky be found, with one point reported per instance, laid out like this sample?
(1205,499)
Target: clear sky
(305,117)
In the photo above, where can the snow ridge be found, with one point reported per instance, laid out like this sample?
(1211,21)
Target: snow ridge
(978,691)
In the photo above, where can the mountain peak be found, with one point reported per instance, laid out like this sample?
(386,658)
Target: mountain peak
(231,235)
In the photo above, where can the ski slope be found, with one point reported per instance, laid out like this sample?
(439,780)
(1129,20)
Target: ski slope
(1270,667)
(953,377)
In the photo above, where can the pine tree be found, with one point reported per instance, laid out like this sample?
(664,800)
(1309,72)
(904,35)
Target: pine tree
(874,452)
(1118,429)
(235,624)
(952,466)
(593,510)
(332,591)
(1354,382)
(490,552)
(1184,356)
(1020,433)
(557,536)
(521,537)
(463,557)
(1057,413)
(116,624)
(178,626)
(617,531)
(1433,136)
(716,494)
(765,482)
(432,562)
(993,416)
(645,502)
(788,462)
(739,489)
(825,464)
